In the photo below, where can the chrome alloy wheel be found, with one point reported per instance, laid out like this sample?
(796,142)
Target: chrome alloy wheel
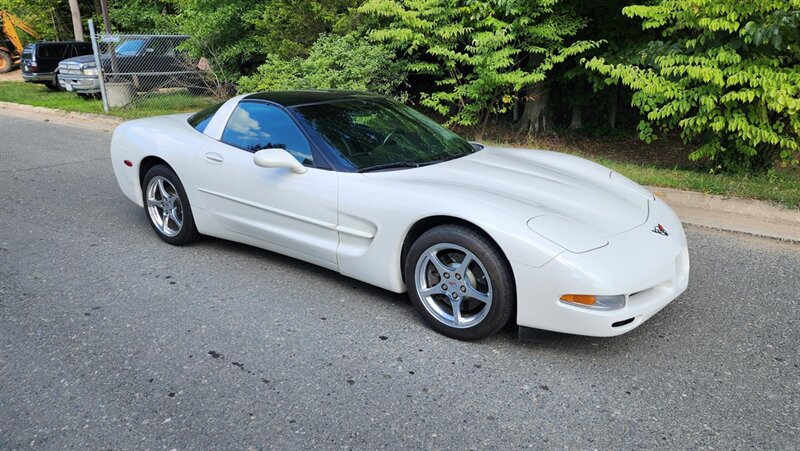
(453,285)
(164,206)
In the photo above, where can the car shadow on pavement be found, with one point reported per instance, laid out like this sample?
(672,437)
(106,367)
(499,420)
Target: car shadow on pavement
(521,337)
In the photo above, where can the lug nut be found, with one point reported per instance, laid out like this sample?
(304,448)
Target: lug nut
(463,289)
(455,295)
(444,286)
(458,276)
(447,275)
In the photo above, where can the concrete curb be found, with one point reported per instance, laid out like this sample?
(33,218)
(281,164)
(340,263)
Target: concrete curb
(748,216)
(89,121)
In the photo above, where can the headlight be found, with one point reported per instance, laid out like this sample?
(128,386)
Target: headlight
(90,71)
(567,233)
(594,302)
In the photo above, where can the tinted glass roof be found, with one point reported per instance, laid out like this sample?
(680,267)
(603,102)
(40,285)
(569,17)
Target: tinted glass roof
(294,98)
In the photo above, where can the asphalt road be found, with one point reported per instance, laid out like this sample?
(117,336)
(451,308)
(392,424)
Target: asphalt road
(110,338)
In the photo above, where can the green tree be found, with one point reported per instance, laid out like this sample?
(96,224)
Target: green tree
(238,35)
(139,16)
(50,18)
(482,54)
(727,74)
(586,99)
(340,62)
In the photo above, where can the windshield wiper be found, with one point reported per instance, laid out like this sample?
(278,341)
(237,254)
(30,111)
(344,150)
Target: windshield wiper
(395,164)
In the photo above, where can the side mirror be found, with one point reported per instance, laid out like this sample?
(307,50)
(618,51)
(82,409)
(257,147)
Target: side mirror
(278,158)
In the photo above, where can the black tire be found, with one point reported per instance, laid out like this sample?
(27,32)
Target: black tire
(52,86)
(490,259)
(5,62)
(187,230)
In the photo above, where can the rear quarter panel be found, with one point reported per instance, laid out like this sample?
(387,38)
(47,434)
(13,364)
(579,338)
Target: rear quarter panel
(169,138)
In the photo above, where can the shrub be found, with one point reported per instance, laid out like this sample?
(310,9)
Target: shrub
(339,62)
(727,74)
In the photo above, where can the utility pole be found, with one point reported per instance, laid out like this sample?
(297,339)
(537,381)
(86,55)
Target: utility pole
(107,25)
(106,19)
(77,26)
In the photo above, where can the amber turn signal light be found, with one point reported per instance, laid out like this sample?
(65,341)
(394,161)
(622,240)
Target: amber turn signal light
(585,299)
(595,302)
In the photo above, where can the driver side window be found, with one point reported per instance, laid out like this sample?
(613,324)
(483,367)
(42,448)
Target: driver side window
(254,126)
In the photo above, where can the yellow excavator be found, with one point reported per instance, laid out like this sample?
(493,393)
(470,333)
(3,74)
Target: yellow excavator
(10,43)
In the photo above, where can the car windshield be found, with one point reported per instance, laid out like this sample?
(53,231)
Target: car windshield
(374,134)
(129,48)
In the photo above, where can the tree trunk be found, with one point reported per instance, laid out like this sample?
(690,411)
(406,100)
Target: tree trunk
(534,118)
(106,18)
(77,26)
(516,110)
(612,110)
(55,24)
(576,121)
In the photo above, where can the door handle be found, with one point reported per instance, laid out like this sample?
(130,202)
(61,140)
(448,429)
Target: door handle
(213,158)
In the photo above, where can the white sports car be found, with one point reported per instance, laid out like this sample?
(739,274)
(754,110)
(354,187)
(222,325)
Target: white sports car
(370,188)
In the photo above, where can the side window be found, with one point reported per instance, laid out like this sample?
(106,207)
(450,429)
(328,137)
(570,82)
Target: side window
(51,51)
(81,49)
(161,47)
(254,126)
(201,119)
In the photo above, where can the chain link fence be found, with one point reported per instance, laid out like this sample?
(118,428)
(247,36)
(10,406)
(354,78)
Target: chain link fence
(145,71)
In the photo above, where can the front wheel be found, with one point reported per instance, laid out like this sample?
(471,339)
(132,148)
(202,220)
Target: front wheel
(167,206)
(460,282)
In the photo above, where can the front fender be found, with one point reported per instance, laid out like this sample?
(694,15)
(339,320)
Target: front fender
(375,216)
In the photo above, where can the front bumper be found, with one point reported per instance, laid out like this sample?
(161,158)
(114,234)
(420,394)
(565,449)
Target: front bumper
(83,84)
(651,270)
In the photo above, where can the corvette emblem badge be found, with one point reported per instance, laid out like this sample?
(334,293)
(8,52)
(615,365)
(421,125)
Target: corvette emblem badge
(659,229)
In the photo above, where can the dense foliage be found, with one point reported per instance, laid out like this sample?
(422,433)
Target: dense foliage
(341,62)
(481,53)
(723,73)
(48,17)
(238,35)
(727,73)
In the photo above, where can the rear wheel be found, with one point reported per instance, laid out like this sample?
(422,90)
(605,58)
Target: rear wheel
(460,282)
(5,62)
(167,206)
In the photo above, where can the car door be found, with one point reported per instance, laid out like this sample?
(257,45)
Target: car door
(274,205)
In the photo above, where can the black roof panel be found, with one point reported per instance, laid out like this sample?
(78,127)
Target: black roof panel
(295,98)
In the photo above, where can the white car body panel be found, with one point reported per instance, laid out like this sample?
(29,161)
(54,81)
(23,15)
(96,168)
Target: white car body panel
(565,224)
(269,204)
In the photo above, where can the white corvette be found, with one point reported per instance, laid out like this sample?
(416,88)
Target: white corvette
(374,190)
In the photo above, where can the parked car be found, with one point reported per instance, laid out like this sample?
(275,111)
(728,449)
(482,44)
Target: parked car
(477,235)
(40,60)
(148,62)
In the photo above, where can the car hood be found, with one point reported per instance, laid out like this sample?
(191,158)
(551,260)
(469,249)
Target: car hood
(79,60)
(553,189)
